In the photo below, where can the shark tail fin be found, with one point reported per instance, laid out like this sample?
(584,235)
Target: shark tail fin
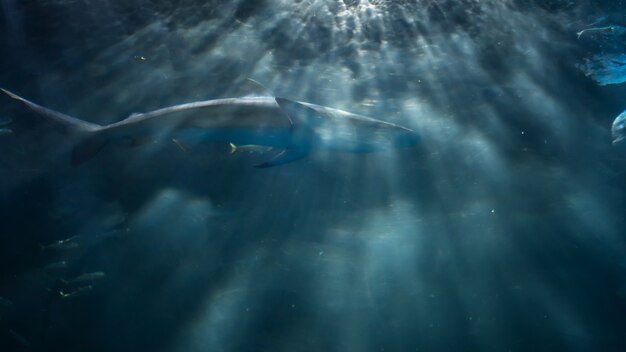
(85,149)
(67,121)
(284,157)
(233,148)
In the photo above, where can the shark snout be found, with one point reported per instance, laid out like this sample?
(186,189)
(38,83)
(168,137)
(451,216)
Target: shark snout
(405,138)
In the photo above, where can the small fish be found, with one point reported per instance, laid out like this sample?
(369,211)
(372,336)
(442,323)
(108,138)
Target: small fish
(249,148)
(118,234)
(113,221)
(68,243)
(139,58)
(87,277)
(180,145)
(19,338)
(55,266)
(6,131)
(78,292)
(5,121)
(112,216)
(602,30)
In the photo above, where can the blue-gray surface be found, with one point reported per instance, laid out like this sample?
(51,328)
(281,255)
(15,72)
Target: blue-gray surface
(503,230)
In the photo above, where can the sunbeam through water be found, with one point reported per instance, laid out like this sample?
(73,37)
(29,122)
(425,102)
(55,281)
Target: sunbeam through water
(355,175)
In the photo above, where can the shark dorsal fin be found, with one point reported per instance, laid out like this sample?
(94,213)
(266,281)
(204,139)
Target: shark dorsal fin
(299,113)
(251,87)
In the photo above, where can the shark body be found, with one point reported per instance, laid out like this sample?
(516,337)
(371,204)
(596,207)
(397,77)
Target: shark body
(296,128)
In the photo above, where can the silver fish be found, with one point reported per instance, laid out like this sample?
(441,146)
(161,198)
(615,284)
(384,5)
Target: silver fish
(78,292)
(117,234)
(87,277)
(249,148)
(68,243)
(55,266)
(19,338)
(617,30)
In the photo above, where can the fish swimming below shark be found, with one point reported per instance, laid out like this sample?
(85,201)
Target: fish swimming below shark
(255,118)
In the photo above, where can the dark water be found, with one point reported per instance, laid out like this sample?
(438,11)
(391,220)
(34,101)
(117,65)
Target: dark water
(502,231)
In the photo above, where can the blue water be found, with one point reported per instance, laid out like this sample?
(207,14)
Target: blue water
(503,230)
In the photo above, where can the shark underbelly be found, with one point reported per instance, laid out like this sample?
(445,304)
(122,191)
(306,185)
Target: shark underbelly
(276,137)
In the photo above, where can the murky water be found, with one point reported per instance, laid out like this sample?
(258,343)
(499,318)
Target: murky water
(502,230)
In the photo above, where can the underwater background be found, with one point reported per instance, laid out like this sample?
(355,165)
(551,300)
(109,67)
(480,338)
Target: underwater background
(503,230)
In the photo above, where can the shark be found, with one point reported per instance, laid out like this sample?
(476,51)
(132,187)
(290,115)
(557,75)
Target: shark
(618,129)
(255,117)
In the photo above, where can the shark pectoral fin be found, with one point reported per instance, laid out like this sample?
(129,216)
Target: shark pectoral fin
(284,157)
(87,149)
(300,114)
